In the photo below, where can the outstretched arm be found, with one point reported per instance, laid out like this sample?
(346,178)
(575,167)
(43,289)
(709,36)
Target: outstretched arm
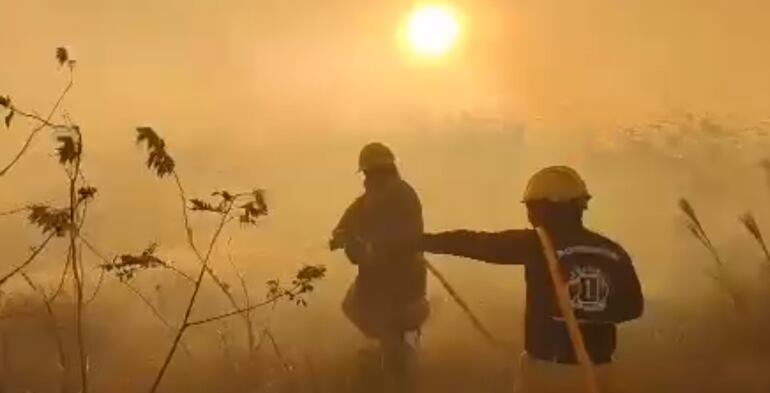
(514,247)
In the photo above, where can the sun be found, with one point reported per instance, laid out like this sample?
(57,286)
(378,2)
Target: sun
(432,30)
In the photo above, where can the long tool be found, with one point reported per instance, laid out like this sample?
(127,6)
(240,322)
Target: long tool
(464,306)
(335,244)
(565,305)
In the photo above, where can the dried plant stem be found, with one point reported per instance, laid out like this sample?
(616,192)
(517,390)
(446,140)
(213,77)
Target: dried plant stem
(40,127)
(77,267)
(179,272)
(277,350)
(247,304)
(135,291)
(29,259)
(157,313)
(62,280)
(14,211)
(315,386)
(191,242)
(62,358)
(239,311)
(723,278)
(191,303)
(97,288)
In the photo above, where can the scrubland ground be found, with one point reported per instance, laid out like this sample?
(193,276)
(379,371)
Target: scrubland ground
(469,176)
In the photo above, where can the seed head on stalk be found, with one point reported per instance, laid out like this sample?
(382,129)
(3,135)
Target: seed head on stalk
(694,224)
(721,275)
(750,223)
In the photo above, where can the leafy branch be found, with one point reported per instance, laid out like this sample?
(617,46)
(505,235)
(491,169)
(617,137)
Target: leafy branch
(304,282)
(5,102)
(126,265)
(50,219)
(251,206)
(146,253)
(161,162)
(191,302)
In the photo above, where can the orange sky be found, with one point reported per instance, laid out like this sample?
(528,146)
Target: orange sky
(335,64)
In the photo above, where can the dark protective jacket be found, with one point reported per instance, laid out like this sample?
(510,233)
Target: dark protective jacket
(375,228)
(603,285)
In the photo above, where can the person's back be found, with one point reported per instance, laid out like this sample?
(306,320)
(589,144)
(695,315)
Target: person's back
(603,285)
(387,300)
(391,214)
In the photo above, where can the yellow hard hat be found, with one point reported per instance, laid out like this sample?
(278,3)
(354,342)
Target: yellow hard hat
(375,155)
(556,184)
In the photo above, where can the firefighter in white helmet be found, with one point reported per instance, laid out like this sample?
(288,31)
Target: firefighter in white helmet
(603,284)
(378,232)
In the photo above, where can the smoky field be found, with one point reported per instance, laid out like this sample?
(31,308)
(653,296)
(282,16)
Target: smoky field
(158,260)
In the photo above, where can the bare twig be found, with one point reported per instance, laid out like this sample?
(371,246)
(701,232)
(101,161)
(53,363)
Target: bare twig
(224,344)
(45,122)
(52,316)
(315,387)
(97,288)
(246,300)
(150,306)
(157,313)
(287,366)
(191,242)
(240,311)
(191,302)
(39,128)
(62,279)
(266,327)
(179,272)
(25,208)
(29,259)
(14,211)
(134,290)
(128,285)
(185,215)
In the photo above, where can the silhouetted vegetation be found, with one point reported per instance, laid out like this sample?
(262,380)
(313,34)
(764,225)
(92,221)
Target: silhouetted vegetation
(66,222)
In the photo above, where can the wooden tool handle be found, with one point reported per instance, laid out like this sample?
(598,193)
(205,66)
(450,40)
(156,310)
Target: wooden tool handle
(565,305)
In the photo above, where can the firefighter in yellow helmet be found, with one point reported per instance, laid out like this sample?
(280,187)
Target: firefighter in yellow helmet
(603,285)
(378,232)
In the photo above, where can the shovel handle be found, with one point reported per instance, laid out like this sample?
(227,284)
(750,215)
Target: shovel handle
(565,305)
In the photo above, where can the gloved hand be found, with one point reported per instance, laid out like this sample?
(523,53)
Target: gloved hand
(335,244)
(338,240)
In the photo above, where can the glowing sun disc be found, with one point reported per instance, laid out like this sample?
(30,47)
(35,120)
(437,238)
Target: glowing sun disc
(432,29)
